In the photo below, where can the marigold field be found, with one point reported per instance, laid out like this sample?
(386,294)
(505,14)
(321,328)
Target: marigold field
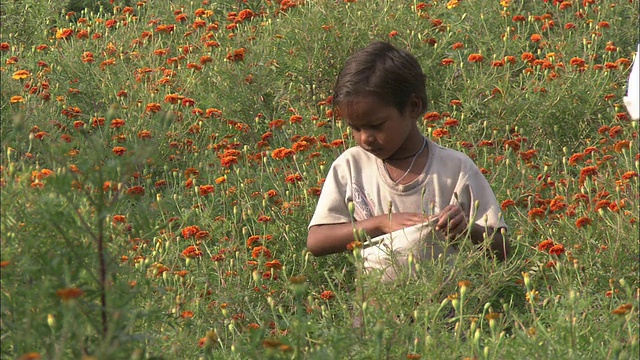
(161,161)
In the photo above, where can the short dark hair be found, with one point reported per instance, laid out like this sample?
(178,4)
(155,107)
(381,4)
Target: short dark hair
(390,74)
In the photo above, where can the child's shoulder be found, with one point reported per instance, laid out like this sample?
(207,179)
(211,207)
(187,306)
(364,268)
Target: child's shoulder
(455,160)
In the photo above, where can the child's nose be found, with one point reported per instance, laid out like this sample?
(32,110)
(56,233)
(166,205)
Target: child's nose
(367,137)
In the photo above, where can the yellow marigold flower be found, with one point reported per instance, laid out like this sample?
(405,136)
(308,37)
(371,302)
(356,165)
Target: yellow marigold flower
(21,74)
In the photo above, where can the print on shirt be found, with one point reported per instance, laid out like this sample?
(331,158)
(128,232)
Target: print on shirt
(363,206)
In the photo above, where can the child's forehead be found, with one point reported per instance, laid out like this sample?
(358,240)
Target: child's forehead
(364,109)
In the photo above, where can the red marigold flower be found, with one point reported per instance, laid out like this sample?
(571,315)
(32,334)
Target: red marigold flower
(327,295)
(536,37)
(260,250)
(67,294)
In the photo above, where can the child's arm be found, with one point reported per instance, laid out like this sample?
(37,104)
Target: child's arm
(454,223)
(333,238)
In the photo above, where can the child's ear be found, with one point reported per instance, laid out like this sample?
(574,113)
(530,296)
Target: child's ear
(414,106)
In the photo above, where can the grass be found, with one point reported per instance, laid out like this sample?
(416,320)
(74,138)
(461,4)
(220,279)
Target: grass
(161,161)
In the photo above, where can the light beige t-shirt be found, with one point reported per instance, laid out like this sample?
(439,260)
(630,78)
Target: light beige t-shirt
(359,177)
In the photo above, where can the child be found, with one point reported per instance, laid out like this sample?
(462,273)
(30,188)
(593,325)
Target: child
(380,94)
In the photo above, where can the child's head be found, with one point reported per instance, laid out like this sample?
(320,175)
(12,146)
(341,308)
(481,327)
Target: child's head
(385,72)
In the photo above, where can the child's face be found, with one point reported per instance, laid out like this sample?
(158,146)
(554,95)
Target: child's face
(380,128)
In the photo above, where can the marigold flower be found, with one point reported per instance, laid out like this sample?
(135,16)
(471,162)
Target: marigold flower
(21,74)
(588,171)
(227,161)
(119,219)
(205,190)
(189,231)
(192,252)
(536,213)
(545,245)
(438,133)
(557,250)
(327,295)
(622,309)
(274,264)
(292,179)
(68,294)
(119,150)
(237,55)
(475,58)
(583,221)
(30,356)
(136,190)
(447,61)
(260,251)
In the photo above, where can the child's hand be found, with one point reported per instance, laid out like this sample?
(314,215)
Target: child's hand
(402,220)
(452,221)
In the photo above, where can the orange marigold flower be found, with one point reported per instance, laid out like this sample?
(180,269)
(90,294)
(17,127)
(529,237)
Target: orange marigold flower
(588,171)
(583,221)
(264,218)
(192,252)
(205,190)
(119,150)
(536,37)
(536,213)
(227,161)
(475,58)
(629,175)
(447,61)
(274,264)
(327,295)
(438,133)
(577,61)
(30,356)
(557,250)
(292,179)
(190,231)
(545,245)
(67,294)
(119,219)
(507,203)
(21,74)
(260,250)
(136,190)
(527,56)
(237,55)
(117,123)
(622,309)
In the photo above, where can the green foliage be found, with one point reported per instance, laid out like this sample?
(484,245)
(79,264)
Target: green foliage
(147,212)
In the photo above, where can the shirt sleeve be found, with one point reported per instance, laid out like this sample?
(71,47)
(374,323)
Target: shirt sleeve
(332,205)
(479,201)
